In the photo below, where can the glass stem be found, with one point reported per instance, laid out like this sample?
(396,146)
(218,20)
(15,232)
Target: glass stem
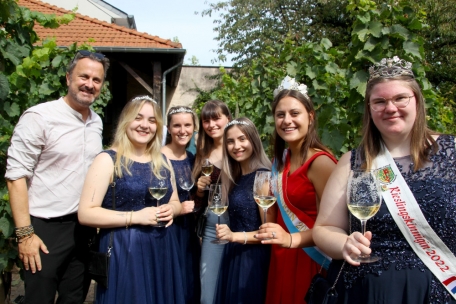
(363,226)
(363,229)
(265,210)
(218,218)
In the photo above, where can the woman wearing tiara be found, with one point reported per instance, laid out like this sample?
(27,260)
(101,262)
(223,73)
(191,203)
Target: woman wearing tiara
(302,170)
(244,268)
(414,231)
(144,263)
(213,118)
(181,125)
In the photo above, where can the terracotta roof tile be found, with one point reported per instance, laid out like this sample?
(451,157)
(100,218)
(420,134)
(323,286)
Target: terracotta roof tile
(100,33)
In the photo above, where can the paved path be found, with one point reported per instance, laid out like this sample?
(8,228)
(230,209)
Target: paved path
(17,289)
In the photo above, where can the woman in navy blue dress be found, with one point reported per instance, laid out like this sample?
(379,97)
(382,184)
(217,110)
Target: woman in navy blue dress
(181,126)
(243,270)
(144,266)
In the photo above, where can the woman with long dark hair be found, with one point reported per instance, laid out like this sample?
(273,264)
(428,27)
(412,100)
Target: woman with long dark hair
(213,119)
(303,165)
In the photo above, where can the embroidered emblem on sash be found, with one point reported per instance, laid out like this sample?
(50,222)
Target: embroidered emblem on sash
(386,176)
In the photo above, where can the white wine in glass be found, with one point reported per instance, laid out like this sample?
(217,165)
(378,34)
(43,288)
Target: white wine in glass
(263,190)
(206,168)
(158,190)
(363,200)
(218,206)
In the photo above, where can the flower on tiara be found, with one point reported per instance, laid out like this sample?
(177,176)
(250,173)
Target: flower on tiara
(180,110)
(390,67)
(289,83)
(144,97)
(237,122)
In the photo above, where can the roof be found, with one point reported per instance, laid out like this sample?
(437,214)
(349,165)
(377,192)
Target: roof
(100,34)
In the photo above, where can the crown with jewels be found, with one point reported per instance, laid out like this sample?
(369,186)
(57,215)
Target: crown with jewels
(180,110)
(237,122)
(144,97)
(289,83)
(391,67)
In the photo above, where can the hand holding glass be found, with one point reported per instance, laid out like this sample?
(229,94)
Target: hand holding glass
(363,200)
(206,169)
(263,190)
(158,189)
(218,206)
(186,181)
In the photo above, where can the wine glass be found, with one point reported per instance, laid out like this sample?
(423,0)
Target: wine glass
(158,189)
(218,206)
(206,169)
(363,200)
(263,190)
(186,181)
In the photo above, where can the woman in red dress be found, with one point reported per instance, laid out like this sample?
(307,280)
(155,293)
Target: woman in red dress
(302,170)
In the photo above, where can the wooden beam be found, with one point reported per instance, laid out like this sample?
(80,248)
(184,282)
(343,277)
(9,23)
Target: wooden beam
(157,81)
(137,77)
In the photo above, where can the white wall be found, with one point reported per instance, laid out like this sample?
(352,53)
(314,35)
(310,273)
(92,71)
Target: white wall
(87,8)
(190,78)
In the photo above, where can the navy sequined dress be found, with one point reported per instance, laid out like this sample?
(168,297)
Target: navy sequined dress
(184,227)
(144,265)
(400,276)
(243,273)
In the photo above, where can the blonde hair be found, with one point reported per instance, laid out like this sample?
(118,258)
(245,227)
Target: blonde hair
(124,146)
(422,143)
(231,169)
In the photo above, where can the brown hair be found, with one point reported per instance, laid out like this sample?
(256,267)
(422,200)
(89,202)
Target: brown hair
(231,169)
(170,118)
(311,141)
(422,142)
(205,144)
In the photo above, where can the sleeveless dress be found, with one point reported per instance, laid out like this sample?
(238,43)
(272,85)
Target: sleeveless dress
(291,270)
(144,266)
(211,254)
(184,228)
(244,268)
(400,277)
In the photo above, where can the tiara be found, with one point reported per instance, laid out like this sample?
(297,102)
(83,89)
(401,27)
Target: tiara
(289,83)
(180,110)
(237,122)
(144,97)
(391,67)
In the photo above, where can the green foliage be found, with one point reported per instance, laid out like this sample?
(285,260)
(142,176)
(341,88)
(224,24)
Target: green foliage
(336,75)
(193,60)
(29,74)
(246,27)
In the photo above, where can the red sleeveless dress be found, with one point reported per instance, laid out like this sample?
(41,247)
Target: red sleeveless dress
(291,270)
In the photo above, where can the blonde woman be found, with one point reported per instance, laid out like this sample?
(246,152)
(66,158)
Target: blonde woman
(144,265)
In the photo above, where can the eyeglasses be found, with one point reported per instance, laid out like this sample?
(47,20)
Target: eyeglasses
(85,53)
(380,104)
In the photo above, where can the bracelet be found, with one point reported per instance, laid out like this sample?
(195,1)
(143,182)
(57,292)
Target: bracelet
(131,217)
(22,240)
(291,240)
(24,232)
(245,238)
